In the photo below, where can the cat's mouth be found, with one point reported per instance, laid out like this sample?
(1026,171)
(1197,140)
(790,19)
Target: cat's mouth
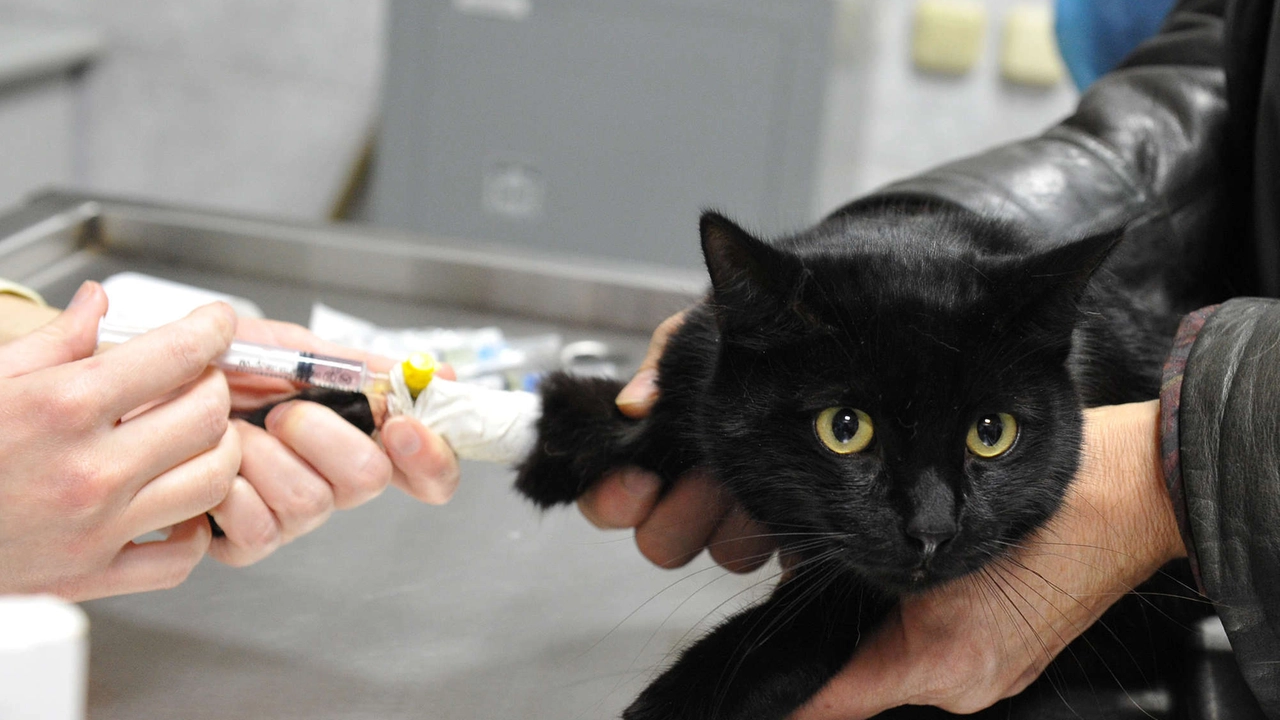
(913,573)
(897,570)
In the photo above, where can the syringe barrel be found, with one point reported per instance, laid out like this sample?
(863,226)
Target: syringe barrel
(313,369)
(309,368)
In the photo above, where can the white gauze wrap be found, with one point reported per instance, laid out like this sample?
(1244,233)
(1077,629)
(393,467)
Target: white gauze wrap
(497,426)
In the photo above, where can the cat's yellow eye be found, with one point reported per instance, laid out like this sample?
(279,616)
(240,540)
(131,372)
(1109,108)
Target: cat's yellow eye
(844,430)
(992,435)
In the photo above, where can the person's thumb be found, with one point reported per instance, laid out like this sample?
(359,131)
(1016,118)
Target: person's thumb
(71,336)
(637,398)
(425,466)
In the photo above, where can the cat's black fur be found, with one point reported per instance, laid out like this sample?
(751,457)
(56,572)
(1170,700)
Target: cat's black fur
(926,318)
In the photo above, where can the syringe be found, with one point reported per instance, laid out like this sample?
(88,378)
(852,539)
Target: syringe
(306,368)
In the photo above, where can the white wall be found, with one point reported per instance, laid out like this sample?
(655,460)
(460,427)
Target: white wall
(903,121)
(255,105)
(37,136)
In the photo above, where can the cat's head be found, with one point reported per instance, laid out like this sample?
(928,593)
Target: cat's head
(890,397)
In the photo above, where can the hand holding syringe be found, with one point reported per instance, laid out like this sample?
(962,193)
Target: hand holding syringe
(478,423)
(297,366)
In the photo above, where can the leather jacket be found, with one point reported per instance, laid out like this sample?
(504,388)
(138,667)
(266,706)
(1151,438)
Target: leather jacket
(1226,480)
(1181,144)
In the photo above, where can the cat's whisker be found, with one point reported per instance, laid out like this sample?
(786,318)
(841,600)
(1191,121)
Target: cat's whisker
(992,573)
(753,586)
(1079,631)
(804,589)
(631,666)
(1002,599)
(987,586)
(814,539)
(1195,596)
(671,530)
(802,572)
(1129,590)
(1035,551)
(672,613)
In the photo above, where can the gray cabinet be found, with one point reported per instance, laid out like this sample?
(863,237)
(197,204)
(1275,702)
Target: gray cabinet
(600,127)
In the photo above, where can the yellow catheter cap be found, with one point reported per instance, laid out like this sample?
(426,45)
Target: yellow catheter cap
(419,369)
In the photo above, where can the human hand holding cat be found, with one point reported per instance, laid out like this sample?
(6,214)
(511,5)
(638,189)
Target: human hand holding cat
(98,451)
(985,637)
(694,514)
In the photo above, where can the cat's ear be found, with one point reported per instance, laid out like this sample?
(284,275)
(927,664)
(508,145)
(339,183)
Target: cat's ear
(1065,270)
(737,262)
(753,284)
(1045,288)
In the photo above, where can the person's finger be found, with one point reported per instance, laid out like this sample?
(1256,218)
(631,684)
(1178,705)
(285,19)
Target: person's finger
(162,360)
(346,458)
(683,521)
(140,567)
(621,499)
(70,336)
(250,531)
(174,431)
(740,544)
(300,499)
(637,397)
(189,489)
(425,466)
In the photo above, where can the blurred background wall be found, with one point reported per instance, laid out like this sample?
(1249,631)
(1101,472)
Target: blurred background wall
(263,105)
(255,105)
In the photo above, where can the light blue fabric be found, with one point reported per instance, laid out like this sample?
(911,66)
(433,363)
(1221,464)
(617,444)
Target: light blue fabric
(1095,35)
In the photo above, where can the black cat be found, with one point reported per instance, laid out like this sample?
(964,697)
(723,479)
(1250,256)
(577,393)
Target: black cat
(906,381)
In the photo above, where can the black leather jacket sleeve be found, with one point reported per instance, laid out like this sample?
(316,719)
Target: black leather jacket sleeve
(1229,438)
(1145,148)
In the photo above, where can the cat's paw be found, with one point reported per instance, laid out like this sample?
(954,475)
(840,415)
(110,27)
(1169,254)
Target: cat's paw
(581,435)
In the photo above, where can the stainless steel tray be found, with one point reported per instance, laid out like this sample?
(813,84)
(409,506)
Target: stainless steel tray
(480,609)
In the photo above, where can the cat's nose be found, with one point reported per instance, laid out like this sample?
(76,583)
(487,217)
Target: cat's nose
(931,539)
(933,520)
(931,532)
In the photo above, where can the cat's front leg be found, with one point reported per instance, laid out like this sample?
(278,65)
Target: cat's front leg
(766,661)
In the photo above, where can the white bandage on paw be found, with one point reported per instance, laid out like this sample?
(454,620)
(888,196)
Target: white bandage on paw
(499,426)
